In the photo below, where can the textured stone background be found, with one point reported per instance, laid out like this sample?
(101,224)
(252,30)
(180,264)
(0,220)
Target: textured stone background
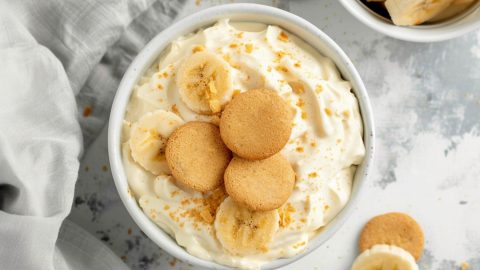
(426,101)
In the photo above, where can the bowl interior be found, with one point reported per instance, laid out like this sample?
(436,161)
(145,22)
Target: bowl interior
(245,13)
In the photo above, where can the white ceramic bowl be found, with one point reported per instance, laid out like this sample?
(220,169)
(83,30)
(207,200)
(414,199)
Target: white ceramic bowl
(236,12)
(454,27)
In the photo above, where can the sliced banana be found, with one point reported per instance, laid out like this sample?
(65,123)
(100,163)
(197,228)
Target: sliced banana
(457,7)
(205,82)
(244,232)
(385,257)
(148,138)
(413,12)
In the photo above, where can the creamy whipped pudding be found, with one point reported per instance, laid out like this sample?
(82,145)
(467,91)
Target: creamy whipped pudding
(324,148)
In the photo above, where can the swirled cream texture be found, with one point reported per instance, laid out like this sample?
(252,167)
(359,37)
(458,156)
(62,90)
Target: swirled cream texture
(324,148)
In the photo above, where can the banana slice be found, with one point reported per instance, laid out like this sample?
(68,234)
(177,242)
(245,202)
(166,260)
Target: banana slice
(204,82)
(457,7)
(148,138)
(385,257)
(243,232)
(413,12)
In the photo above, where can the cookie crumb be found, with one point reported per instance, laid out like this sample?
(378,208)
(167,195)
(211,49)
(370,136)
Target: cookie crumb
(175,110)
(198,48)
(87,111)
(249,47)
(328,111)
(283,36)
(300,103)
(282,69)
(464,266)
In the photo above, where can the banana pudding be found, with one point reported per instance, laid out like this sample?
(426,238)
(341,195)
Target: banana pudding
(194,80)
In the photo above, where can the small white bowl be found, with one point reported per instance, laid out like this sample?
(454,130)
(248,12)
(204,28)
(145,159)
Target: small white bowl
(459,25)
(236,12)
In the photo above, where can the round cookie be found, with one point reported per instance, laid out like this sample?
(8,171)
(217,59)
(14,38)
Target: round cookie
(260,185)
(197,156)
(396,229)
(256,124)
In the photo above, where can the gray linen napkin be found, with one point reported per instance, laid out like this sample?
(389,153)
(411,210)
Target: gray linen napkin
(56,55)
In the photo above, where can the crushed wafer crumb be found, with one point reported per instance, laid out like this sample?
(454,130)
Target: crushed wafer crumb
(198,48)
(304,115)
(312,175)
(318,88)
(464,266)
(328,111)
(227,57)
(249,48)
(298,245)
(285,213)
(283,36)
(175,110)
(300,103)
(280,54)
(87,111)
(281,68)
(297,87)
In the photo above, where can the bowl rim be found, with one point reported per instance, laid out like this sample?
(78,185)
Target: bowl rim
(196,21)
(431,33)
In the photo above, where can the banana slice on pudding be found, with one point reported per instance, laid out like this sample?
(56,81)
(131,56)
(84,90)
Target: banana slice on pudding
(244,232)
(148,139)
(413,12)
(205,83)
(385,257)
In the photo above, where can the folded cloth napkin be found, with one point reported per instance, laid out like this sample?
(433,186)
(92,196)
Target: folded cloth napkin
(54,56)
